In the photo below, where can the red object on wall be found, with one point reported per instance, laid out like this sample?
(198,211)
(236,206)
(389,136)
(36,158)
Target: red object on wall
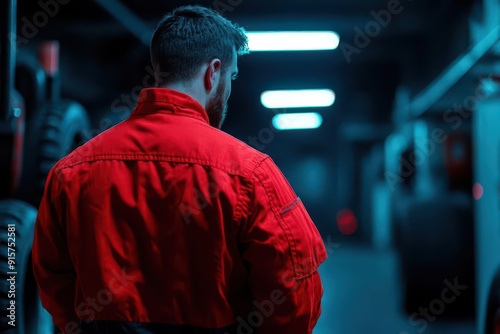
(49,57)
(347,222)
(458,160)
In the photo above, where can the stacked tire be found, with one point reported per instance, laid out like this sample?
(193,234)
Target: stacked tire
(53,128)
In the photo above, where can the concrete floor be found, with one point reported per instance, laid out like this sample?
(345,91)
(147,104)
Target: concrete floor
(363,296)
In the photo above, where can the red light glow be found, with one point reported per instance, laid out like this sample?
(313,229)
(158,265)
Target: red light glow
(478,191)
(347,222)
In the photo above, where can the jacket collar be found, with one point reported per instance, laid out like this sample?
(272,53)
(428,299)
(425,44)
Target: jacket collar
(168,101)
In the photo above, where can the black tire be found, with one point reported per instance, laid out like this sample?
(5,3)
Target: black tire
(30,316)
(30,82)
(493,311)
(399,213)
(53,133)
(11,146)
(438,245)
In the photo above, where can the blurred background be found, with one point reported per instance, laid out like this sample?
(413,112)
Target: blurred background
(393,144)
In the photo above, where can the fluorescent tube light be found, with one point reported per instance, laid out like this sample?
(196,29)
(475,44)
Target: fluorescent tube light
(305,98)
(292,40)
(297,121)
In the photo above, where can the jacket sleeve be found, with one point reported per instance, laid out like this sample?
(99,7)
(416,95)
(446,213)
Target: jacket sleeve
(282,250)
(52,265)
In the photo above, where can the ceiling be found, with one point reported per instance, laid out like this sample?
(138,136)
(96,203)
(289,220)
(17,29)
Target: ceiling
(104,51)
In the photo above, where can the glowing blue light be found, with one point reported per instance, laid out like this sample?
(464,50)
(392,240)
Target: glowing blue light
(292,40)
(297,121)
(304,98)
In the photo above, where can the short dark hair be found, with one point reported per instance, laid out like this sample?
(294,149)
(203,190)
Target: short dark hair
(190,36)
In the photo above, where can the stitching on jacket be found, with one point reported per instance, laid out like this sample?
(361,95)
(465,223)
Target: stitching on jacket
(256,172)
(150,157)
(283,225)
(290,206)
(239,205)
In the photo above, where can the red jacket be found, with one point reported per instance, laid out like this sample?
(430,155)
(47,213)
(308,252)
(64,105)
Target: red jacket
(165,220)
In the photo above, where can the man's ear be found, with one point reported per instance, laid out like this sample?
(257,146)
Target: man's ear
(212,73)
